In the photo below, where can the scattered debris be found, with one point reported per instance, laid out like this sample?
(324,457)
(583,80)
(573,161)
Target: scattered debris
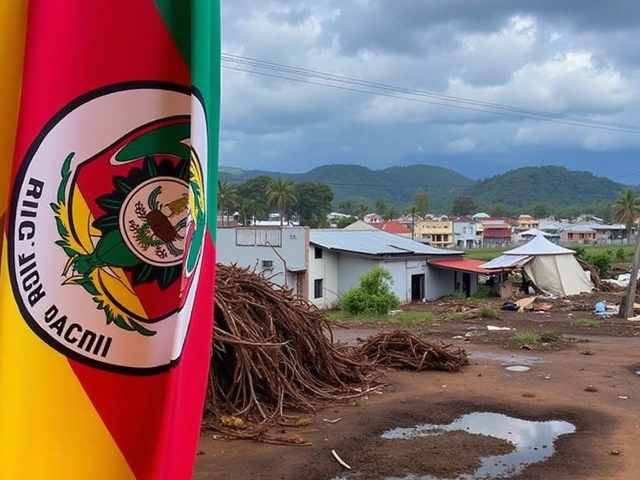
(493,328)
(590,388)
(332,421)
(340,461)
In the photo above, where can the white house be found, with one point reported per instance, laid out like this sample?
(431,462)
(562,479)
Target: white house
(337,259)
(466,233)
(280,253)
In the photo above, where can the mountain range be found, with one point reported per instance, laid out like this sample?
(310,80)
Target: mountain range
(522,187)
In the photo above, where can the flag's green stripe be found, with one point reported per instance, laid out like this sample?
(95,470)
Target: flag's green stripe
(194,26)
(176,15)
(205,76)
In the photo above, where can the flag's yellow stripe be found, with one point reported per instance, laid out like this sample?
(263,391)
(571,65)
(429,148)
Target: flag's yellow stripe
(48,427)
(13,18)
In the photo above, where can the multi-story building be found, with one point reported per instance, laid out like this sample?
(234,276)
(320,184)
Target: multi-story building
(466,233)
(435,232)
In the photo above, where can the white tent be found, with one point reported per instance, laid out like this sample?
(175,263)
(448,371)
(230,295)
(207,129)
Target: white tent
(534,232)
(551,267)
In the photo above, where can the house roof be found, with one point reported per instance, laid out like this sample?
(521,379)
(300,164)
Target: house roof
(497,233)
(462,264)
(391,227)
(360,225)
(580,229)
(532,232)
(373,243)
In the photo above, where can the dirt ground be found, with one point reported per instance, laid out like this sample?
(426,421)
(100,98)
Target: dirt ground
(581,372)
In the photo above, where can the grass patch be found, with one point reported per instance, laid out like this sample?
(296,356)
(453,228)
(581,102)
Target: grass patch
(587,322)
(454,316)
(485,311)
(400,317)
(488,254)
(526,337)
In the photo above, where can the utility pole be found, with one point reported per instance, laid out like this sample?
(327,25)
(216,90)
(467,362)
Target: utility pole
(633,281)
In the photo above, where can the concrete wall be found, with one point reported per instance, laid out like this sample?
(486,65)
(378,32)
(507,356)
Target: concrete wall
(439,283)
(325,268)
(249,247)
(351,267)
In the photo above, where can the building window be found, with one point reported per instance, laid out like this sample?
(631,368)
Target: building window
(317,288)
(317,253)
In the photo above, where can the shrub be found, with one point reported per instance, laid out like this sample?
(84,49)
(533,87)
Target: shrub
(601,262)
(373,296)
(485,311)
(620,255)
(481,294)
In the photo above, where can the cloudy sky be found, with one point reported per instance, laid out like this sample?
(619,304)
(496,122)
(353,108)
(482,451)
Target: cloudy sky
(366,80)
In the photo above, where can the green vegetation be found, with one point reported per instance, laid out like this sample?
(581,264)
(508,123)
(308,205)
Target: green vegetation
(587,322)
(373,296)
(566,193)
(485,311)
(426,318)
(526,337)
(559,186)
(626,208)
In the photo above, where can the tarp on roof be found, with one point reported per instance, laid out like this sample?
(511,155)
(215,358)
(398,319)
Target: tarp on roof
(506,261)
(462,264)
(373,243)
(539,245)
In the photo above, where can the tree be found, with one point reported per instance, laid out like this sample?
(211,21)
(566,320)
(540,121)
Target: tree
(227,197)
(541,210)
(421,201)
(348,207)
(498,210)
(380,207)
(626,209)
(247,209)
(361,210)
(346,221)
(314,203)
(256,189)
(281,193)
(463,205)
(391,213)
(413,212)
(374,296)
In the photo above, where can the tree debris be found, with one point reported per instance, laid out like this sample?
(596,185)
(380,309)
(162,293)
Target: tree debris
(404,350)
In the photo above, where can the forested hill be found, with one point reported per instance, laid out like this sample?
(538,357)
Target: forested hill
(523,187)
(395,185)
(551,185)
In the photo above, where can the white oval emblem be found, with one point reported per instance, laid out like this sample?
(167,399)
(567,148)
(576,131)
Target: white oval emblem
(107,226)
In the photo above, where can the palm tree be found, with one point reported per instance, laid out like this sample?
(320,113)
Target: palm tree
(281,192)
(626,209)
(247,210)
(226,198)
(413,211)
(361,210)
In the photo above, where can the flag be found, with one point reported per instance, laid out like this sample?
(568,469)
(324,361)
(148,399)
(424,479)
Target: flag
(108,179)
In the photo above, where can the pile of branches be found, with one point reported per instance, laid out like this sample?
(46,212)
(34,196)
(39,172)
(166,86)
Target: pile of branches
(274,351)
(403,350)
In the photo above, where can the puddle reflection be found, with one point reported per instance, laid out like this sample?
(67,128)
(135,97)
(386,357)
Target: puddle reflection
(533,442)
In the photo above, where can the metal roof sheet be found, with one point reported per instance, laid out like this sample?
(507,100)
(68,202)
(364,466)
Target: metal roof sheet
(373,243)
(506,261)
(461,264)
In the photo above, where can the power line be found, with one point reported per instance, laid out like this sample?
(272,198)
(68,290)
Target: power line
(375,88)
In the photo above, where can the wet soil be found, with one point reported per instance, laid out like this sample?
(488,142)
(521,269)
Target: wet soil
(582,374)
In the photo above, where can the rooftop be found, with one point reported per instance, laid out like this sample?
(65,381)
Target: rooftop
(373,243)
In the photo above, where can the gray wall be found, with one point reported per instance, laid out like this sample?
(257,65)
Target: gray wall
(246,246)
